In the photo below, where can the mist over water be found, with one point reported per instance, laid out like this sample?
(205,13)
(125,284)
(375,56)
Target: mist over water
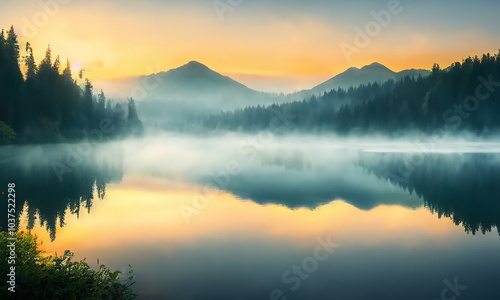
(180,158)
(291,170)
(240,188)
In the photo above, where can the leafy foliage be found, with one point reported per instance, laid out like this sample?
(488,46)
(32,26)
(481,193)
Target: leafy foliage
(7,135)
(41,276)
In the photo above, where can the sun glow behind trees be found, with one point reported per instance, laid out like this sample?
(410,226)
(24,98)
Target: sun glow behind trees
(47,105)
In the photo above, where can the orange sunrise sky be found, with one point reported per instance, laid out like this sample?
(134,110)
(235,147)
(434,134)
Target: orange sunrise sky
(290,44)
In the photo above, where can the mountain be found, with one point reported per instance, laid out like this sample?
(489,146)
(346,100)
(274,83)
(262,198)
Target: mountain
(355,77)
(190,91)
(196,84)
(194,90)
(414,73)
(187,92)
(374,72)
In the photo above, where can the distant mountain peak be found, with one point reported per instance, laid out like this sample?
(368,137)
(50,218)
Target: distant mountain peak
(194,65)
(375,65)
(195,83)
(192,70)
(374,72)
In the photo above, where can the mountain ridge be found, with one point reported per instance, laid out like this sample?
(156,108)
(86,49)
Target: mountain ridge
(195,83)
(195,90)
(374,72)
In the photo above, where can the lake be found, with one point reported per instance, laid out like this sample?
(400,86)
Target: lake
(271,217)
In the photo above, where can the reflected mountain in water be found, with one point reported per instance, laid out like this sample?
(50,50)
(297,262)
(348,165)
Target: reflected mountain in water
(53,178)
(462,187)
(298,179)
(311,189)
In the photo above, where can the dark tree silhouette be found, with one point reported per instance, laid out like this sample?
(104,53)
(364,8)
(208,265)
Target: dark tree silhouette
(47,105)
(50,186)
(442,100)
(462,187)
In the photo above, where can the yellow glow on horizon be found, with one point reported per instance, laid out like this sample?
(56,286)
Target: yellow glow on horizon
(111,44)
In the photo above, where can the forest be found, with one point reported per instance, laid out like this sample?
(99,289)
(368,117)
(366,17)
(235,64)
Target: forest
(46,104)
(461,97)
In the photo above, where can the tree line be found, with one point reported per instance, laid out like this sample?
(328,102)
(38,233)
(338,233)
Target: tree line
(463,96)
(467,193)
(51,192)
(45,104)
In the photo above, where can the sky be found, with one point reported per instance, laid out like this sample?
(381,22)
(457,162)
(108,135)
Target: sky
(281,44)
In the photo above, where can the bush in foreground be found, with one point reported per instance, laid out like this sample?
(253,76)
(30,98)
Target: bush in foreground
(42,276)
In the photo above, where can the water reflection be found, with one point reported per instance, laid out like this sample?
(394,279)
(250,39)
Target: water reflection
(463,187)
(267,217)
(236,249)
(313,187)
(53,179)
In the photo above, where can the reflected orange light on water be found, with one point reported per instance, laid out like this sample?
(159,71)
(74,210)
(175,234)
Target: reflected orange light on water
(147,210)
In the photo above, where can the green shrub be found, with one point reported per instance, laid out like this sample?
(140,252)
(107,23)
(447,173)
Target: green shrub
(42,276)
(7,134)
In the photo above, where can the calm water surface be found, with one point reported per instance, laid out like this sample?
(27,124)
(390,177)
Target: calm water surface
(259,217)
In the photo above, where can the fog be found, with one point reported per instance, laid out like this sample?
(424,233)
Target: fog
(294,170)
